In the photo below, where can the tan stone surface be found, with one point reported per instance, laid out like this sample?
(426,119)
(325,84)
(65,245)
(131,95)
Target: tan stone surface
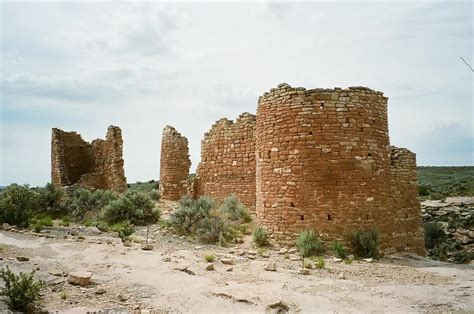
(96,165)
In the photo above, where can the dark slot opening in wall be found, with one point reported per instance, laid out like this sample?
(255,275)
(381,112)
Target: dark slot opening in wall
(292,204)
(321,105)
(367,217)
(369,154)
(329,217)
(310,132)
(302,217)
(406,216)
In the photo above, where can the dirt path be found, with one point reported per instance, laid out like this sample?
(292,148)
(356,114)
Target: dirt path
(135,279)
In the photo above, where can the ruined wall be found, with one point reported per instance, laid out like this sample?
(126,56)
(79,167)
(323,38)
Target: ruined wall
(174,164)
(228,160)
(96,165)
(323,162)
(407,231)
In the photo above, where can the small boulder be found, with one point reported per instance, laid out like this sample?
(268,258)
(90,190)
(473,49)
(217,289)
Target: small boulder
(55,272)
(227,261)
(147,247)
(271,266)
(292,251)
(230,268)
(303,271)
(368,260)
(294,257)
(100,291)
(282,251)
(22,259)
(122,297)
(210,266)
(81,278)
(341,275)
(337,260)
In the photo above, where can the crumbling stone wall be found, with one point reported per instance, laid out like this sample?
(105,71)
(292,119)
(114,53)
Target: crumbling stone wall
(174,164)
(323,163)
(96,165)
(228,160)
(407,231)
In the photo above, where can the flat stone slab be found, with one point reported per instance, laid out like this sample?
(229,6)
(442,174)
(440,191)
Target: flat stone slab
(81,278)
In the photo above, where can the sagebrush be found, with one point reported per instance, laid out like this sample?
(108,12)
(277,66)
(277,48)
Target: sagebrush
(22,291)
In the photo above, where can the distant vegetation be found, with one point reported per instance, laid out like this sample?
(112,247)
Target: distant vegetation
(441,182)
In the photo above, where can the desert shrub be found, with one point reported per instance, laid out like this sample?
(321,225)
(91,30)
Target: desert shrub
(235,209)
(244,228)
(137,207)
(209,258)
(65,222)
(423,190)
(339,249)
(348,261)
(318,262)
(308,244)
(101,225)
(22,290)
(434,234)
(86,204)
(365,242)
(155,195)
(123,228)
(260,237)
(213,229)
(40,221)
(18,203)
(164,223)
(88,222)
(186,219)
(51,199)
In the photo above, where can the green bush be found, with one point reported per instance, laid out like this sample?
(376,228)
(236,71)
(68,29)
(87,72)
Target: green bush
(22,290)
(318,262)
(186,219)
(260,237)
(235,209)
(423,190)
(65,222)
(434,234)
(51,199)
(40,221)
(123,228)
(213,229)
(135,206)
(86,204)
(18,204)
(155,195)
(309,244)
(365,242)
(209,258)
(339,249)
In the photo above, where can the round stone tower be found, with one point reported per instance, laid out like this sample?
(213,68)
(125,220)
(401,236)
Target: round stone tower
(323,161)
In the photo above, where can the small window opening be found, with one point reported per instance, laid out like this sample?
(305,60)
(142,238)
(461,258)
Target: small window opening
(406,216)
(347,120)
(369,154)
(292,204)
(321,105)
(329,217)
(302,217)
(367,217)
(310,133)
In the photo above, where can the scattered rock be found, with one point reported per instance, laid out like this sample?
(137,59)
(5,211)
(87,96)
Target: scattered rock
(337,260)
(277,308)
(210,266)
(122,297)
(265,255)
(147,247)
(186,270)
(227,261)
(271,266)
(303,271)
(341,275)
(55,272)
(100,291)
(239,252)
(6,226)
(167,259)
(230,268)
(283,251)
(292,251)
(294,257)
(198,247)
(22,259)
(368,260)
(81,278)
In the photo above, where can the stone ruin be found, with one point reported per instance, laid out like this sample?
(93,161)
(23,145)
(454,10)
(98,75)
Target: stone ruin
(174,165)
(97,165)
(316,159)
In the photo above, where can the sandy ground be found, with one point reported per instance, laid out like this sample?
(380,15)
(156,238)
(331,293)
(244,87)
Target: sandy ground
(138,280)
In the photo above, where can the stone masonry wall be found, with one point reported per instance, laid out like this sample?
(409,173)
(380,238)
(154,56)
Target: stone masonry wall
(228,160)
(407,231)
(323,163)
(96,165)
(174,164)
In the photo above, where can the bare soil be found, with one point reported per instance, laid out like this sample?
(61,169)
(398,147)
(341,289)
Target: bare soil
(172,277)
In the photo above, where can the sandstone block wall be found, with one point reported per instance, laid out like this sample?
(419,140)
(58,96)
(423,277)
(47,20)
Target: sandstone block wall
(96,165)
(228,160)
(174,164)
(324,163)
(407,229)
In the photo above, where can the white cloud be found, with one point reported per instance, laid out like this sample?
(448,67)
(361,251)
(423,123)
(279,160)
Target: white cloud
(145,65)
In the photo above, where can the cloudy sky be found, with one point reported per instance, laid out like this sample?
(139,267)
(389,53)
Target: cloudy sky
(142,66)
